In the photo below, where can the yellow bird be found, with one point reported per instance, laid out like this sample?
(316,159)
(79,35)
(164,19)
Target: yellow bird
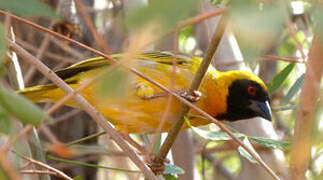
(231,96)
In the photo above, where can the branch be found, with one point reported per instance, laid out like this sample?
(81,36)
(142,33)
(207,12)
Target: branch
(98,38)
(57,172)
(176,127)
(202,17)
(278,58)
(302,140)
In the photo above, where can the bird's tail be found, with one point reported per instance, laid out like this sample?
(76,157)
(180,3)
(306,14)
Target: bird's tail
(41,93)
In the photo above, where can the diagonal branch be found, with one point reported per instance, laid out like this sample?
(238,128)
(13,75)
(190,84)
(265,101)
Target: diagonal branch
(176,127)
(56,171)
(98,38)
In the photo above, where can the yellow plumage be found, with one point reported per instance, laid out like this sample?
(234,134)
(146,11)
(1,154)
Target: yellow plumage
(138,111)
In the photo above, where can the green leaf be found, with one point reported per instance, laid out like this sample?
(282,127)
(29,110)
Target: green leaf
(78,178)
(280,78)
(293,90)
(90,165)
(284,108)
(5,123)
(172,169)
(21,108)
(211,135)
(167,13)
(215,136)
(244,153)
(27,8)
(271,143)
(81,140)
(169,177)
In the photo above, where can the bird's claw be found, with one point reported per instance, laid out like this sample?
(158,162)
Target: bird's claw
(156,167)
(194,97)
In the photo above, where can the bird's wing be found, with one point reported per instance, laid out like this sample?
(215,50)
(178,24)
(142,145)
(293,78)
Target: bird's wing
(182,61)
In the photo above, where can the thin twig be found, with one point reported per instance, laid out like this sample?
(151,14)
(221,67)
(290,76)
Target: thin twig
(32,171)
(65,116)
(98,38)
(292,32)
(86,138)
(202,17)
(52,138)
(53,56)
(278,58)
(40,53)
(65,46)
(58,172)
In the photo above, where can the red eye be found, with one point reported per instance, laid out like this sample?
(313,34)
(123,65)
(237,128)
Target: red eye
(251,90)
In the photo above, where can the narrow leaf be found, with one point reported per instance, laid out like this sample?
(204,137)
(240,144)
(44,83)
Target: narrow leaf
(244,153)
(28,8)
(21,108)
(293,90)
(211,135)
(172,169)
(280,78)
(5,123)
(215,136)
(284,108)
(271,143)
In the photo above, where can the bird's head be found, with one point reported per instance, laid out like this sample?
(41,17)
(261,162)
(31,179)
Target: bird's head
(247,97)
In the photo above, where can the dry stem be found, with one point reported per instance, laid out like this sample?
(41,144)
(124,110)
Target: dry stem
(98,38)
(57,172)
(302,141)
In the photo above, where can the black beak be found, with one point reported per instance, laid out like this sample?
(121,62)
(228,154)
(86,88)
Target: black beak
(262,109)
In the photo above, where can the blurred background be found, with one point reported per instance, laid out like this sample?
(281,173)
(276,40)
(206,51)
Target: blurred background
(269,38)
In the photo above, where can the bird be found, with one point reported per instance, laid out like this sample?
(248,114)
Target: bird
(227,96)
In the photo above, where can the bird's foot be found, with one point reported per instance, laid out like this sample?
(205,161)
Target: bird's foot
(194,97)
(157,167)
